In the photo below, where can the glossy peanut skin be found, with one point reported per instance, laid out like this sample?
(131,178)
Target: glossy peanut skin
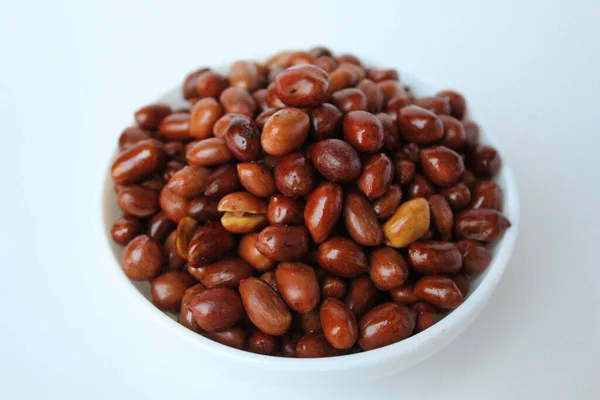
(441,216)
(339,324)
(171,169)
(137,201)
(175,150)
(261,343)
(208,152)
(150,116)
(288,344)
(247,251)
(186,318)
(458,104)
(283,243)
(210,84)
(175,207)
(441,165)
(273,99)
(349,99)
(390,89)
(437,105)
(487,194)
(139,162)
(298,286)
(455,136)
(385,324)
(216,309)
(439,291)
(336,160)
(373,94)
(168,288)
(131,136)
(378,75)
(426,316)
(405,171)
(302,86)
(484,161)
(125,229)
(420,187)
(189,84)
(142,258)
(458,196)
(314,345)
(267,311)
(395,104)
(294,175)
(410,151)
(462,282)
(285,131)
(419,125)
(208,243)
(363,131)
(189,182)
(172,257)
(343,257)
(256,179)
(476,257)
(176,126)
(404,294)
(310,321)
(432,258)
(262,118)
(243,139)
(471,133)
(244,75)
(322,211)
(482,224)
(377,176)
(388,268)
(226,273)
(285,211)
(269,278)
(361,296)
(333,286)
(203,209)
(342,77)
(326,63)
(159,226)
(326,121)
(385,205)
(361,221)
(232,337)
(223,180)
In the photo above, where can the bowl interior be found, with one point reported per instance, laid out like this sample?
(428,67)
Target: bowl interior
(481,287)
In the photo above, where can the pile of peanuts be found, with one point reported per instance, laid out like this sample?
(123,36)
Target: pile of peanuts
(308,206)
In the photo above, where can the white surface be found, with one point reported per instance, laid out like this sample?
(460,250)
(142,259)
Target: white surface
(72,73)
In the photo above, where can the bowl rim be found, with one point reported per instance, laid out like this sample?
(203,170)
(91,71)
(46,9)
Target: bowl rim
(503,252)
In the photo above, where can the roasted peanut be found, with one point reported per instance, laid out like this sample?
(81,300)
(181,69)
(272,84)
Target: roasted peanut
(323,210)
(264,307)
(408,224)
(244,213)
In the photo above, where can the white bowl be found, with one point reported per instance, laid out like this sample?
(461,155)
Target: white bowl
(355,368)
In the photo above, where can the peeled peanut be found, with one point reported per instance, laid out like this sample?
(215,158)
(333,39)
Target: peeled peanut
(244,212)
(409,223)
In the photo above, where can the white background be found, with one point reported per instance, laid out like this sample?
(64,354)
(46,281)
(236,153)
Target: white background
(72,72)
